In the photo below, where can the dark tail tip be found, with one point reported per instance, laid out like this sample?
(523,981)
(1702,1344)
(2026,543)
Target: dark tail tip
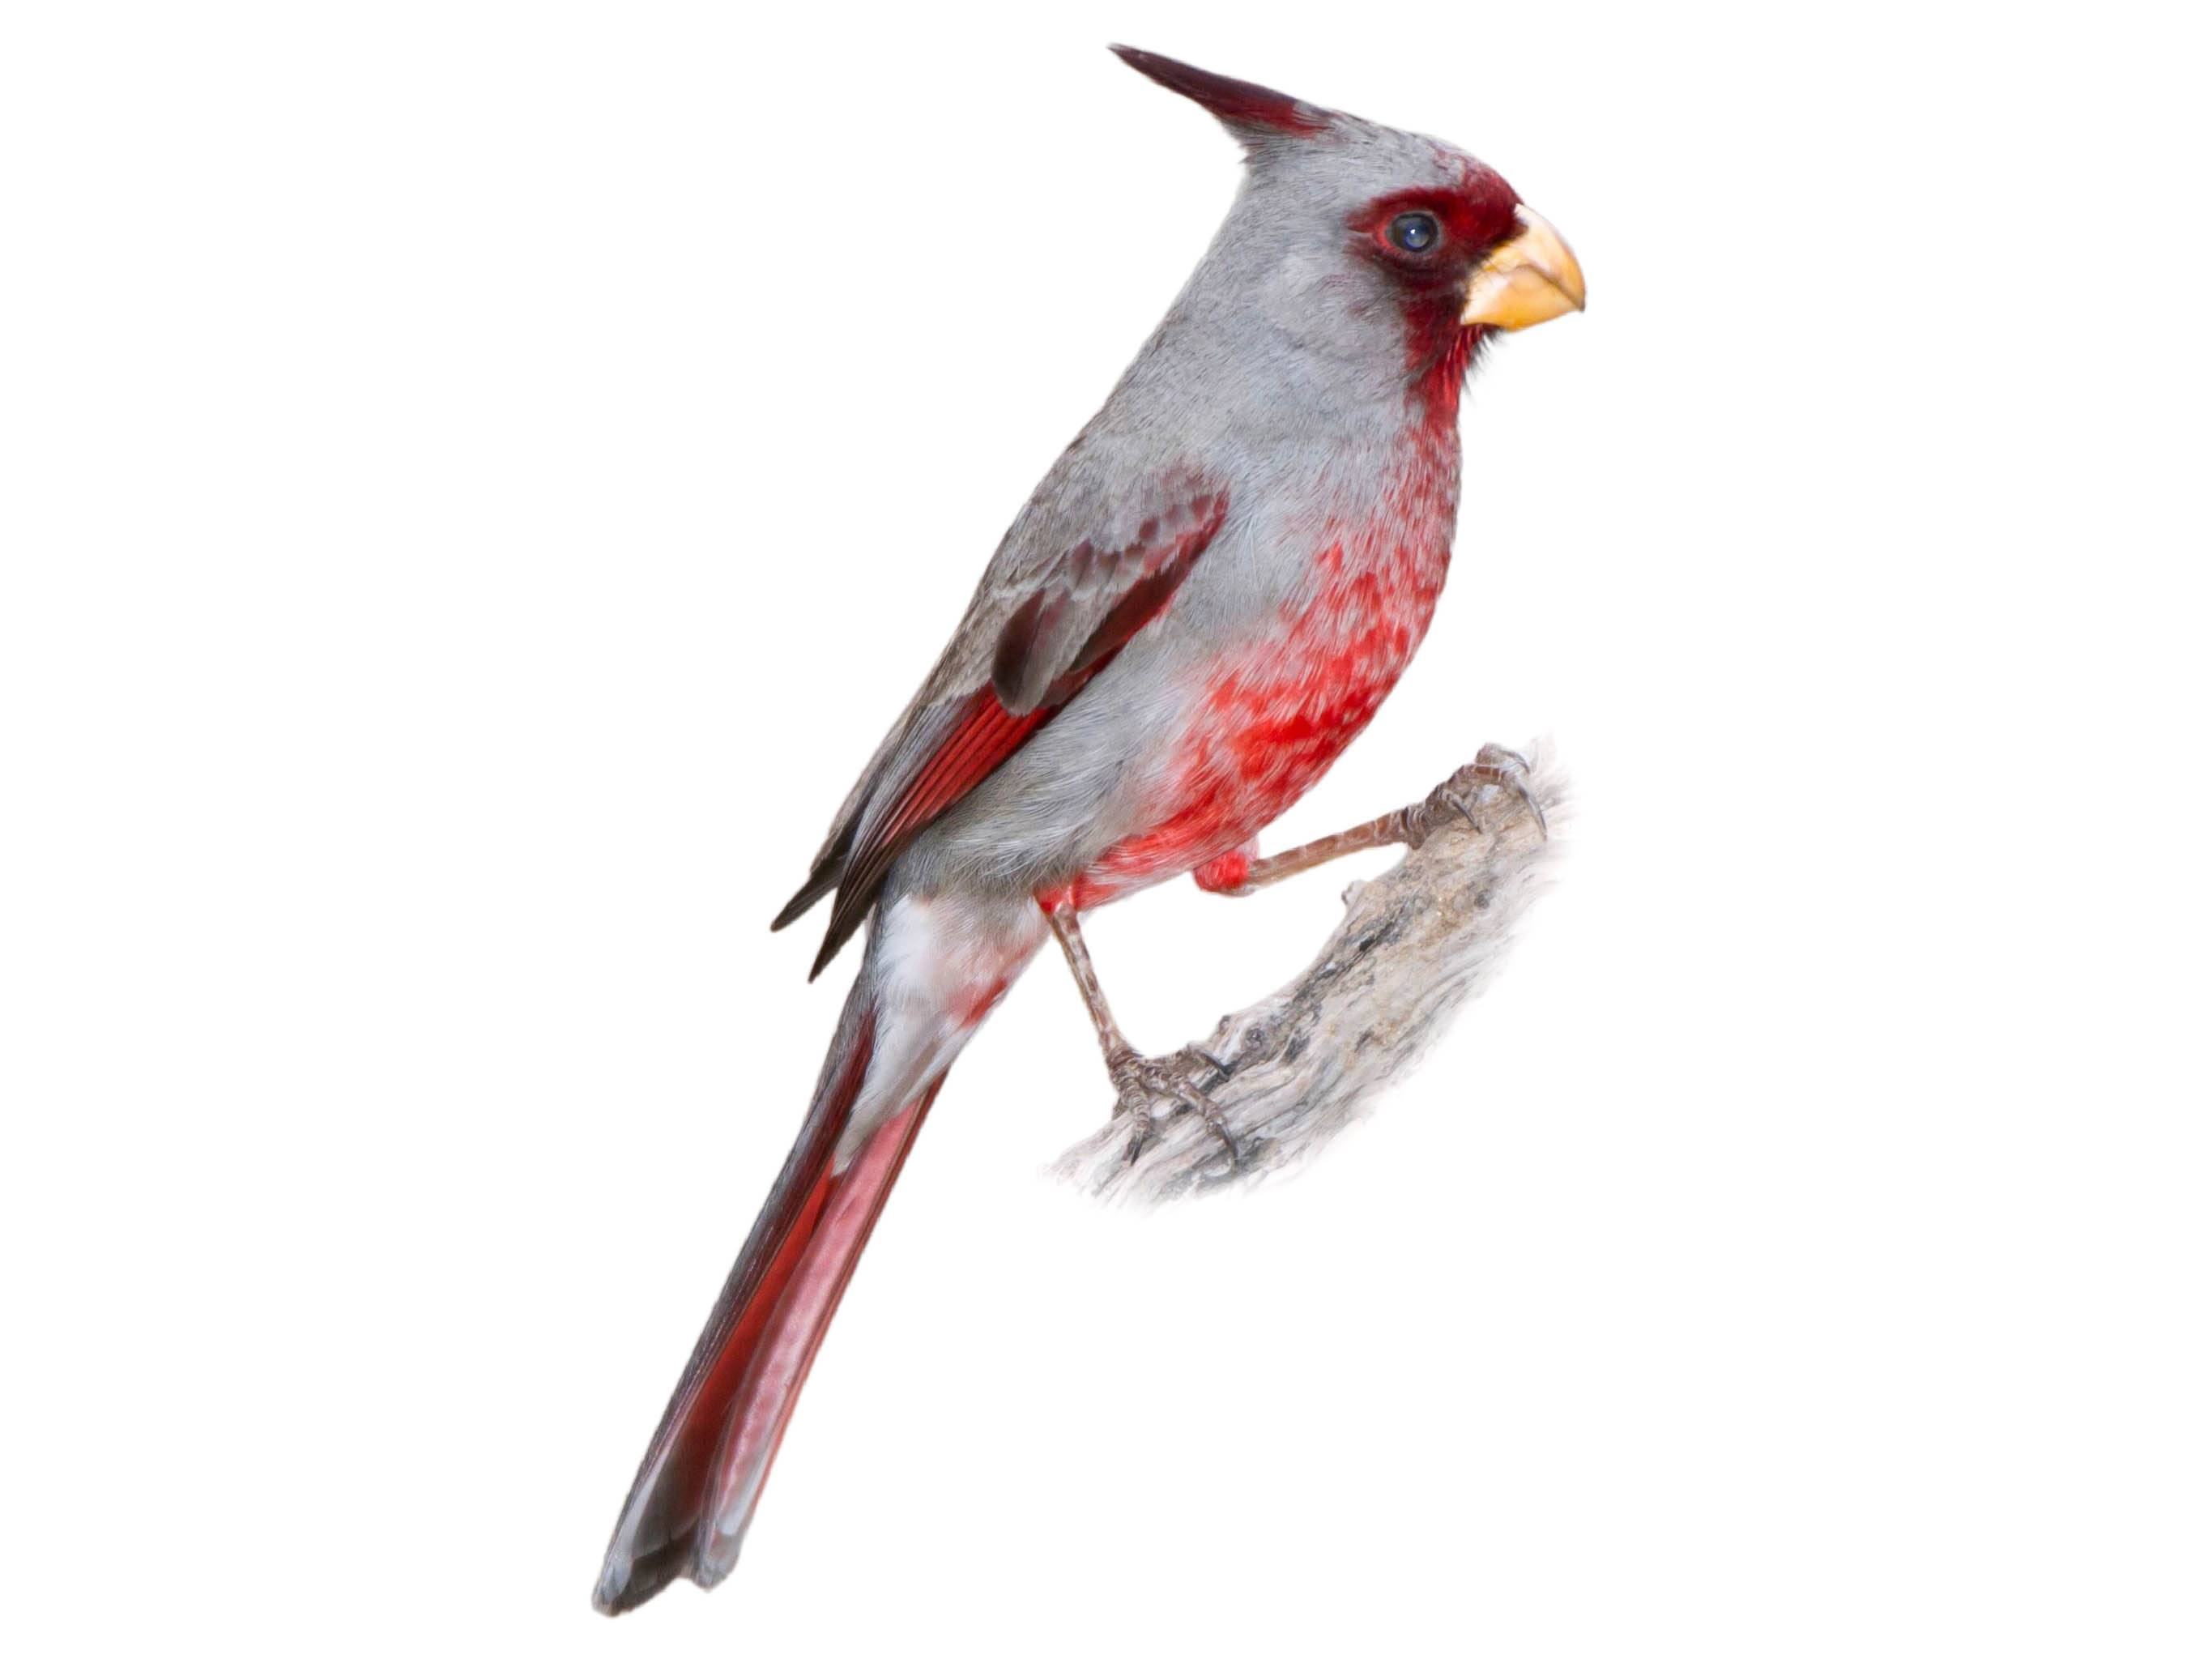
(626,1583)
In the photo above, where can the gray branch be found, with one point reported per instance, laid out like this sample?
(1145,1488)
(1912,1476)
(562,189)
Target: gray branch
(1300,1066)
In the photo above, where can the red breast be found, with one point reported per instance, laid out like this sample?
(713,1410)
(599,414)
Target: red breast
(1274,714)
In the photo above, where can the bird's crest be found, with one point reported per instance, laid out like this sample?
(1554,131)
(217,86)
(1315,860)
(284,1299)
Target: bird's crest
(1253,113)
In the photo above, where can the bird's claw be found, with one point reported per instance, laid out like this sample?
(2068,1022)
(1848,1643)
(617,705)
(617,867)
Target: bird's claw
(1493,767)
(1149,1087)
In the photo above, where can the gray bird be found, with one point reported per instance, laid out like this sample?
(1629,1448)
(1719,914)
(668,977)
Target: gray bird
(1206,600)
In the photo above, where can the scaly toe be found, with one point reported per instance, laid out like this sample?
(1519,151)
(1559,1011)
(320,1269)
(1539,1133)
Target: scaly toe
(1149,1088)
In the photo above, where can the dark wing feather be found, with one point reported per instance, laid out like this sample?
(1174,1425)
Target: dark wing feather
(982,734)
(1038,630)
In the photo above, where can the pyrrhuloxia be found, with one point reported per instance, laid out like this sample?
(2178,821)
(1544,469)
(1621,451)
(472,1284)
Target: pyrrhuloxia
(1206,600)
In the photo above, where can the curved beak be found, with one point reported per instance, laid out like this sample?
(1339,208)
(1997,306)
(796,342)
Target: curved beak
(1529,278)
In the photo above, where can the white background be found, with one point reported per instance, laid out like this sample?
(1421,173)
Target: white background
(478,481)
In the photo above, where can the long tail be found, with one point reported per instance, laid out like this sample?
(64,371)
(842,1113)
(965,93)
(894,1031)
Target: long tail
(693,1496)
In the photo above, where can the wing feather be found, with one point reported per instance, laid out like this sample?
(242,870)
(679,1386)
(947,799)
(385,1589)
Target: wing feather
(1041,626)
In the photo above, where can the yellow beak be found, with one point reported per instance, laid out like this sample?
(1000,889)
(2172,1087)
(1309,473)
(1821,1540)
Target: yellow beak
(1527,279)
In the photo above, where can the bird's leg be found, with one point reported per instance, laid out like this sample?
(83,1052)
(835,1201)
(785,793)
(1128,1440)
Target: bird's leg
(1455,798)
(1142,1085)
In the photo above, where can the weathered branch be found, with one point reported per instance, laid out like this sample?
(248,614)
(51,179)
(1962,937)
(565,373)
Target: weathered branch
(1298,1067)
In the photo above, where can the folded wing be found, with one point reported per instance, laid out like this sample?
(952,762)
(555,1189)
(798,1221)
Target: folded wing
(1076,580)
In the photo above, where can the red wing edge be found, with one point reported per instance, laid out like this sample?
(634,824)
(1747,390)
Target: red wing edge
(976,734)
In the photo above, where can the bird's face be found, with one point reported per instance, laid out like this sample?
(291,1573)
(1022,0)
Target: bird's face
(1466,243)
(1345,225)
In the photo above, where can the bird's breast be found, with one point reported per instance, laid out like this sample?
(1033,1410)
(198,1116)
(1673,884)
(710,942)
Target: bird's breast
(1268,716)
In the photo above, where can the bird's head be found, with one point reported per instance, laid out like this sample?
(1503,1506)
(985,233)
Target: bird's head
(1344,224)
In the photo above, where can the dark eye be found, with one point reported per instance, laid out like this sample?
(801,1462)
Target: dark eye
(1415,232)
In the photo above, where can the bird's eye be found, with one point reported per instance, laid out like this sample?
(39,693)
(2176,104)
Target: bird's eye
(1415,232)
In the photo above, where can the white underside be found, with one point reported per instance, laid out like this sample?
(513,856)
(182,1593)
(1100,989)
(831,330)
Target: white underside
(938,961)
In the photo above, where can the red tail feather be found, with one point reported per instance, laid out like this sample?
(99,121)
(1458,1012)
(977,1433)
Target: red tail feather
(695,1492)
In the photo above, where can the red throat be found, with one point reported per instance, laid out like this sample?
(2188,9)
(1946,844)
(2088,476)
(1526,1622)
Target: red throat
(1440,368)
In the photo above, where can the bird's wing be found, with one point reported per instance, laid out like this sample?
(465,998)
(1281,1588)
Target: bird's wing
(1078,576)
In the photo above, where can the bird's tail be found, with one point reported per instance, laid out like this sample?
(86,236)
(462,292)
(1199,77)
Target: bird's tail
(695,1492)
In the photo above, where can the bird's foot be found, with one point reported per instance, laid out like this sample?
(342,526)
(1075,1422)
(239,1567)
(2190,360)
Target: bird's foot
(1152,1087)
(1494,766)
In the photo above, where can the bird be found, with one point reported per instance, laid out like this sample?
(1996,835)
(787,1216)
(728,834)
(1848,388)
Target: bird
(1205,601)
